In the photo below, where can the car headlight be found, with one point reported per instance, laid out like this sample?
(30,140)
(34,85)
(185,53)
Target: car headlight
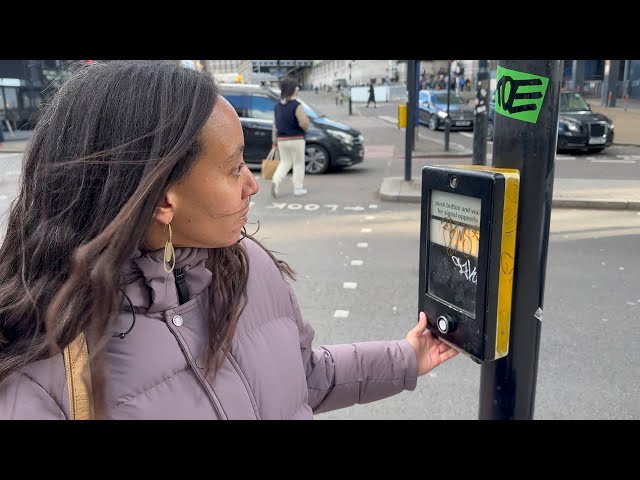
(610,125)
(361,137)
(442,114)
(342,136)
(571,126)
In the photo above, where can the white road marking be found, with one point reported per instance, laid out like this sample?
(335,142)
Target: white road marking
(441,142)
(350,285)
(356,263)
(370,217)
(595,160)
(366,230)
(389,119)
(341,314)
(362,245)
(373,206)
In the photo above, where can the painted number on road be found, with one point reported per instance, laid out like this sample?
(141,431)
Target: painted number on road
(310,207)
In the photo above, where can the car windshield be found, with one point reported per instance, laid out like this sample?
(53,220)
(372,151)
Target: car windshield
(454,99)
(572,102)
(311,113)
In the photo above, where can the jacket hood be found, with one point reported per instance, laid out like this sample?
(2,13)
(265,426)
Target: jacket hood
(150,288)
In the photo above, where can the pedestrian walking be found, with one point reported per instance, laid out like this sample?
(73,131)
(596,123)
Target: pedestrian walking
(129,287)
(290,123)
(372,96)
(339,95)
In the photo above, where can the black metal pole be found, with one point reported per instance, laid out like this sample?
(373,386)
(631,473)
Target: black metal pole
(625,80)
(416,110)
(480,119)
(349,103)
(447,121)
(614,76)
(508,385)
(411,101)
(577,75)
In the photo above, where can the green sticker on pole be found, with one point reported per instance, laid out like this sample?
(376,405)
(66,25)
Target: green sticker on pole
(519,95)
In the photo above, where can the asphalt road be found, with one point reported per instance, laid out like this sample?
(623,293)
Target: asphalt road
(357,259)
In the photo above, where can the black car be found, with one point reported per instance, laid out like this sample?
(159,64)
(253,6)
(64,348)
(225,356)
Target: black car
(329,144)
(579,128)
(432,110)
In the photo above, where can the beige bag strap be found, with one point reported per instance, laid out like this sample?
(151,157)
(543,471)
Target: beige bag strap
(76,366)
(273,153)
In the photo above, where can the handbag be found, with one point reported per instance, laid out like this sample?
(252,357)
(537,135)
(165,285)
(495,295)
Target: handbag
(76,368)
(270,164)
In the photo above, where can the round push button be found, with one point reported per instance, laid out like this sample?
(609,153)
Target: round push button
(445,324)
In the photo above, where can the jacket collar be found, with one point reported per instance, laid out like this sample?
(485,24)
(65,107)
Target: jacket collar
(151,289)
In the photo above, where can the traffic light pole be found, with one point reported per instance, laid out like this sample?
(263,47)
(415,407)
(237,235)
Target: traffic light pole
(447,120)
(508,385)
(411,106)
(481,115)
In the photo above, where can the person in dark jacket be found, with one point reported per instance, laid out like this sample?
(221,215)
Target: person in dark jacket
(129,287)
(372,96)
(290,123)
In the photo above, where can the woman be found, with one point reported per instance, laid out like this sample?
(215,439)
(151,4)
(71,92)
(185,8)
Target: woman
(290,123)
(128,229)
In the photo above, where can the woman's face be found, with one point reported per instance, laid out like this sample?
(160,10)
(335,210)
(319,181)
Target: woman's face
(209,207)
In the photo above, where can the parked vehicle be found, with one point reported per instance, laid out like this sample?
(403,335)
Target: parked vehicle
(579,128)
(329,144)
(432,110)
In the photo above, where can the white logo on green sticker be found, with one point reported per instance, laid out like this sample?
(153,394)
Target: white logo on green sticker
(519,95)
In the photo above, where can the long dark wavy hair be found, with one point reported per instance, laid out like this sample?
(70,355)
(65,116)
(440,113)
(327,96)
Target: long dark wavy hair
(111,141)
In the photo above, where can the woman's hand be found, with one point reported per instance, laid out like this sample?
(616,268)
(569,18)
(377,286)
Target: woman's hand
(430,351)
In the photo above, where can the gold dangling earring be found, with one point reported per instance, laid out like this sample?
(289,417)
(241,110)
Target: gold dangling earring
(169,252)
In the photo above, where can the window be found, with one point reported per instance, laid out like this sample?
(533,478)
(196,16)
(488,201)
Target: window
(262,107)
(240,102)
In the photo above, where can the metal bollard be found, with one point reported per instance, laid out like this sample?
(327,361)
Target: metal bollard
(349,105)
(447,128)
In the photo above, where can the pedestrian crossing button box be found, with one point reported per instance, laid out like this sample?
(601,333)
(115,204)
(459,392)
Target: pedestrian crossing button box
(468,224)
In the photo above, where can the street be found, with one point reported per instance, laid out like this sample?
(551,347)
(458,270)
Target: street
(615,162)
(357,262)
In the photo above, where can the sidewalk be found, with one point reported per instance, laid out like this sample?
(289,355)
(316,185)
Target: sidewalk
(567,192)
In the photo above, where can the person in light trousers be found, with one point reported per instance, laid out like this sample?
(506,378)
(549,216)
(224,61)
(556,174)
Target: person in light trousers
(290,123)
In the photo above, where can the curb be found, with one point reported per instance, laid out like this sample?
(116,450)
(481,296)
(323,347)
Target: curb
(595,204)
(394,189)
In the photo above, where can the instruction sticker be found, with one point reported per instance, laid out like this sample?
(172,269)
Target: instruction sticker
(519,95)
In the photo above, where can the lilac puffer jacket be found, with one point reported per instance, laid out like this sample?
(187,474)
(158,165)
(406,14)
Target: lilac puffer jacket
(272,371)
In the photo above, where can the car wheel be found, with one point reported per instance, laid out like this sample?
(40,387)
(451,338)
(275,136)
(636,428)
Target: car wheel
(433,122)
(490,132)
(316,159)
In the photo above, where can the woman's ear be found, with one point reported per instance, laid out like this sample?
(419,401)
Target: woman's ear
(166,209)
